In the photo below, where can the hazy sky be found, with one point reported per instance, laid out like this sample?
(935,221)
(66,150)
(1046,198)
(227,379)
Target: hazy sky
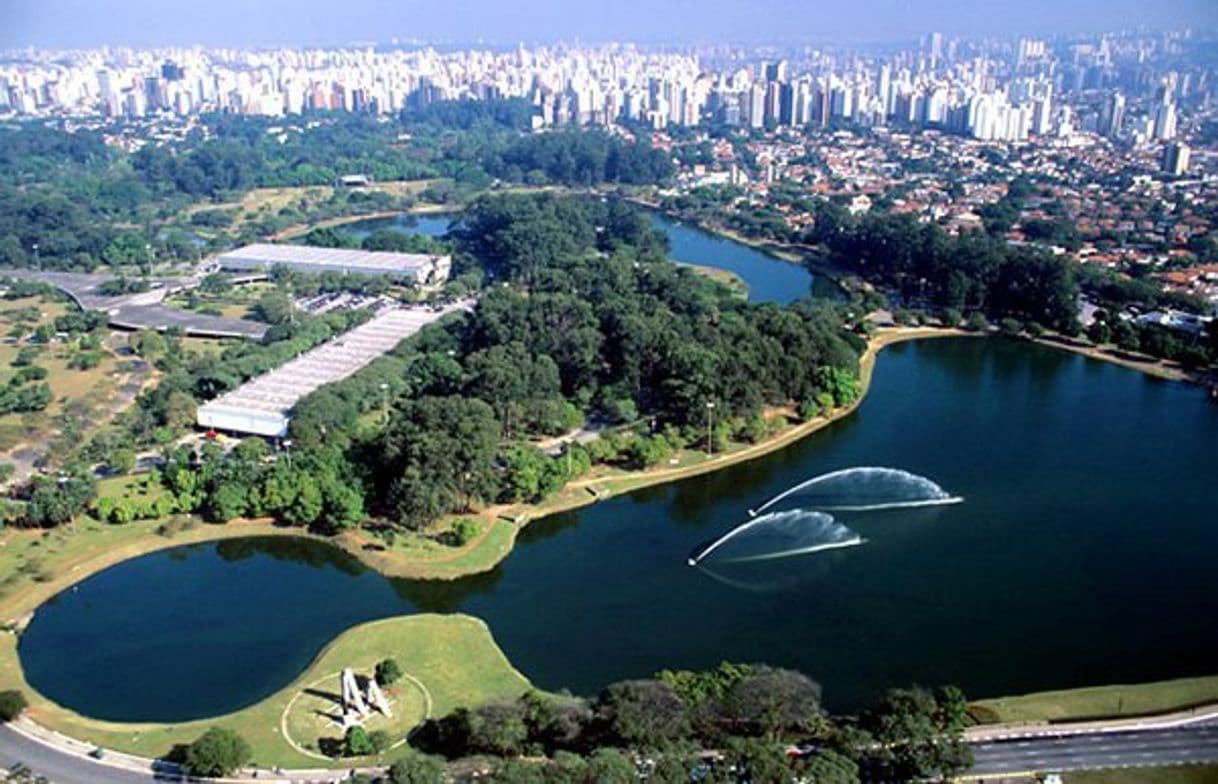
(69,23)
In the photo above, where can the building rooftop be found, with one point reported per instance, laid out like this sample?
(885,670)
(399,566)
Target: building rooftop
(339,258)
(263,405)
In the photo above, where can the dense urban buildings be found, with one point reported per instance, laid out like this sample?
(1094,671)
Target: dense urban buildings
(1131,87)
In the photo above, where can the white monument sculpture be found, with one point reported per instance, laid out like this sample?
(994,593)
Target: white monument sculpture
(355,710)
(377,698)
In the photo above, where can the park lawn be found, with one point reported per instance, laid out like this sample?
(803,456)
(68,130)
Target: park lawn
(262,201)
(1099,702)
(454,657)
(131,485)
(417,556)
(1172,774)
(205,346)
(85,393)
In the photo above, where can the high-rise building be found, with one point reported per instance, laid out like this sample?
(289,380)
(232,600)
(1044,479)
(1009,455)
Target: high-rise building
(936,49)
(1175,158)
(1112,116)
(1165,121)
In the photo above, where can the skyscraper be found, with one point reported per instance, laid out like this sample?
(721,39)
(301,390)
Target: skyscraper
(1165,121)
(1175,158)
(1112,116)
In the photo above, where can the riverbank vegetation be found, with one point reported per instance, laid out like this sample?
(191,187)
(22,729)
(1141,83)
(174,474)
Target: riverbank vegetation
(975,274)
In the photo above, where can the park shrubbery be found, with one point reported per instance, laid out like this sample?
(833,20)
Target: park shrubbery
(217,753)
(747,712)
(12,704)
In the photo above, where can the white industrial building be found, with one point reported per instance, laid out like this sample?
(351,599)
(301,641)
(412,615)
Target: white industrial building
(263,406)
(423,269)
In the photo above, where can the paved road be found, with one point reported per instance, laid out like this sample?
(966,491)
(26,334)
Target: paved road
(59,767)
(1176,745)
(1143,748)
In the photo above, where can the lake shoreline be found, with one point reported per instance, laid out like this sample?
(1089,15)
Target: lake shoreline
(10,666)
(486,551)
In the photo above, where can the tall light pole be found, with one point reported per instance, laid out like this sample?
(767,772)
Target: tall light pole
(384,403)
(37,263)
(287,446)
(710,431)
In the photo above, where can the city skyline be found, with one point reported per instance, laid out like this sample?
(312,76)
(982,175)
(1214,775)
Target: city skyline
(227,23)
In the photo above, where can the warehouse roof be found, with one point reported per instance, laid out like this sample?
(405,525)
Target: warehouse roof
(263,253)
(268,399)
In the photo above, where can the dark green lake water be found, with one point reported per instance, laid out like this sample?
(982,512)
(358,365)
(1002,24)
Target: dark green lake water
(1083,554)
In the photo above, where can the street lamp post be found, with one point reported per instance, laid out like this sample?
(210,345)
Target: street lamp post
(710,428)
(287,446)
(384,403)
(37,263)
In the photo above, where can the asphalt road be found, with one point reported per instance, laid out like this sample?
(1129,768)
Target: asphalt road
(59,767)
(1173,746)
(1143,748)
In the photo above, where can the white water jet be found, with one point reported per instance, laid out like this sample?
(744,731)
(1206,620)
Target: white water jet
(779,535)
(865,488)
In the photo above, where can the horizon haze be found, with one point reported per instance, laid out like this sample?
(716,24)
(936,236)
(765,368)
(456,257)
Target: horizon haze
(65,24)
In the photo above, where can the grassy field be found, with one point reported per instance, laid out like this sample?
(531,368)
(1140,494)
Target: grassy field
(261,202)
(1100,702)
(1175,774)
(426,647)
(417,556)
(82,392)
(726,277)
(309,718)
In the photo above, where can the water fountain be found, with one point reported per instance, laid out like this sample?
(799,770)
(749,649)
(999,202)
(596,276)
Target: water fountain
(808,528)
(864,489)
(779,535)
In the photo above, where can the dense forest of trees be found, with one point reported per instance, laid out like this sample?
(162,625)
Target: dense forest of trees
(967,273)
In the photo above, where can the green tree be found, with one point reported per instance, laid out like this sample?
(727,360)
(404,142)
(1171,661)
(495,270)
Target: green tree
(610,766)
(414,767)
(388,672)
(12,704)
(356,743)
(643,713)
(121,461)
(217,753)
(768,701)
(829,767)
(757,762)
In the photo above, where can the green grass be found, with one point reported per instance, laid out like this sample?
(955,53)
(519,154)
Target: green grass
(1100,701)
(72,390)
(417,556)
(1175,774)
(726,277)
(130,485)
(453,656)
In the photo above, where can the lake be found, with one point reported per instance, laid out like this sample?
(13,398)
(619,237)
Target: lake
(1082,554)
